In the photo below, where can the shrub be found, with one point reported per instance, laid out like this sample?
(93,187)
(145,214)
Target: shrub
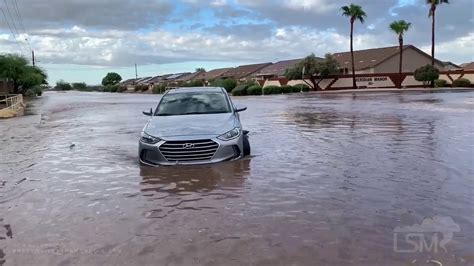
(250,83)
(440,83)
(80,86)
(461,82)
(112,88)
(301,87)
(240,90)
(295,89)
(272,89)
(38,90)
(194,83)
(140,87)
(159,89)
(30,93)
(426,74)
(63,86)
(228,84)
(286,89)
(121,89)
(254,90)
(276,90)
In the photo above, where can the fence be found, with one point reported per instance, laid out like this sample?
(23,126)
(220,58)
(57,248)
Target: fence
(10,105)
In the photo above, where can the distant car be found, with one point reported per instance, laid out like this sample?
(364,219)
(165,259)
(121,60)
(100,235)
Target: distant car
(193,126)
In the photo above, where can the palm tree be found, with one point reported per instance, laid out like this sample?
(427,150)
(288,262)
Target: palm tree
(354,12)
(433,4)
(400,27)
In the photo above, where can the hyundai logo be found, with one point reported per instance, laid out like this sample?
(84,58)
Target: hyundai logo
(188,146)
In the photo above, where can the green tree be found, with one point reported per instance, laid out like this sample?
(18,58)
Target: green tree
(111,78)
(16,69)
(63,85)
(354,12)
(432,14)
(400,28)
(200,69)
(312,67)
(80,86)
(228,84)
(427,74)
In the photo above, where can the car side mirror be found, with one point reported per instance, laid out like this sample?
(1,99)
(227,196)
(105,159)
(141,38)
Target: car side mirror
(240,108)
(149,113)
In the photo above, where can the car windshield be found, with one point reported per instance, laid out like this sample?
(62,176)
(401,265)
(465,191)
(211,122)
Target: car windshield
(193,103)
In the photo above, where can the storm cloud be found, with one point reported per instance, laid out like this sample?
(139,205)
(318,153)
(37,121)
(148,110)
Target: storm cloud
(120,32)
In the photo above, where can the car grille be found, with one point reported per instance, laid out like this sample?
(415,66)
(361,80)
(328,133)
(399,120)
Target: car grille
(193,150)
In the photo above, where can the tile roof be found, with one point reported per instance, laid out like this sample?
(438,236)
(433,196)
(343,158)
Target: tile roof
(158,79)
(213,74)
(177,75)
(142,80)
(364,59)
(128,82)
(279,68)
(370,58)
(244,70)
(468,66)
(189,76)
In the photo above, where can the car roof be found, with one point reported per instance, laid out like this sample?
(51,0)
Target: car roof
(195,89)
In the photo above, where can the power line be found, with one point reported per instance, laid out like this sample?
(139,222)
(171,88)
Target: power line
(23,47)
(15,4)
(11,17)
(11,30)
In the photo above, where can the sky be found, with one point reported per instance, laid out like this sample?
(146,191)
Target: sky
(82,40)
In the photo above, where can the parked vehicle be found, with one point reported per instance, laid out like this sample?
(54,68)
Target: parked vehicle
(193,126)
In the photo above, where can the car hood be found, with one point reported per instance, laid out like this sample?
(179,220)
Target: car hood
(189,125)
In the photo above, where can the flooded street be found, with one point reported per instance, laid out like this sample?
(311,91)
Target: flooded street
(329,180)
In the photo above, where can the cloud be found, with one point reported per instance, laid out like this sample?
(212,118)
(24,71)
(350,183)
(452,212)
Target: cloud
(104,14)
(123,48)
(122,32)
(462,48)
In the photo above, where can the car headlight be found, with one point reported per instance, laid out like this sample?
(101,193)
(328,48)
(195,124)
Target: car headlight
(231,134)
(149,139)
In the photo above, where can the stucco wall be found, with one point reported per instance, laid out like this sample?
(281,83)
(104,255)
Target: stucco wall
(372,81)
(271,83)
(412,60)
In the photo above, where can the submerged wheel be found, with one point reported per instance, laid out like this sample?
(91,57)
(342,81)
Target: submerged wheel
(246,145)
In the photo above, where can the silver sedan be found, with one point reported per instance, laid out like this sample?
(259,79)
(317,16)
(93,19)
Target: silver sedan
(193,126)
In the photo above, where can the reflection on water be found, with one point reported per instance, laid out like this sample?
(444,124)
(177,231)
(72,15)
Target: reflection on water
(181,187)
(330,177)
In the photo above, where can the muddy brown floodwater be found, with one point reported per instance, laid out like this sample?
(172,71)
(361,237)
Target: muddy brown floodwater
(369,179)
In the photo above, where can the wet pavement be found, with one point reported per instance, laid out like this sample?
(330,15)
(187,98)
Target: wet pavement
(330,180)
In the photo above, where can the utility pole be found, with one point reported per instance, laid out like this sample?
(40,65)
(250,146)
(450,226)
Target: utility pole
(33,57)
(136,72)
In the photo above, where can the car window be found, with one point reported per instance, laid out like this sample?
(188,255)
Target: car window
(193,103)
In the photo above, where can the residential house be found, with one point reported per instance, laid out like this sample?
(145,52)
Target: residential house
(208,76)
(276,70)
(448,66)
(189,77)
(172,78)
(128,82)
(468,66)
(244,72)
(385,60)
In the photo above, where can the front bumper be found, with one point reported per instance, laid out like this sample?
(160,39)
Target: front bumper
(150,154)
